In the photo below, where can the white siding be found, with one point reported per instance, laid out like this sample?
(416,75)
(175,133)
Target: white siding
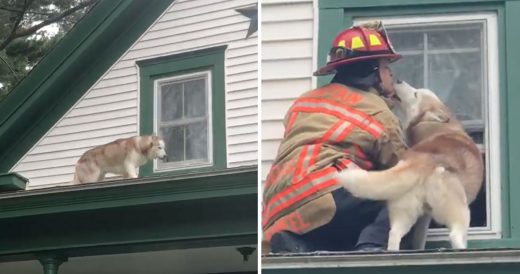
(109,110)
(288,50)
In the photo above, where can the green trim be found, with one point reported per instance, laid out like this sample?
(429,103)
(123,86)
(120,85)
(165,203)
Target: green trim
(152,213)
(334,20)
(512,41)
(12,181)
(509,83)
(207,59)
(68,71)
(130,192)
(504,141)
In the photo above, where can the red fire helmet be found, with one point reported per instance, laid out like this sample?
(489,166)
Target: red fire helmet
(357,44)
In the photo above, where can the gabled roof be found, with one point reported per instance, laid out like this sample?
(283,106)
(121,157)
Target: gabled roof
(69,70)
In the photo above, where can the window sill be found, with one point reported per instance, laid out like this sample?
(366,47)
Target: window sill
(185,171)
(328,260)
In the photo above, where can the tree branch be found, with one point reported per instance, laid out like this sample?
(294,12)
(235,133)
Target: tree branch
(25,32)
(19,19)
(16,24)
(54,19)
(9,66)
(27,12)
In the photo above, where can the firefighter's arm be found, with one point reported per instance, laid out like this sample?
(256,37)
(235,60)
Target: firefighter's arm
(390,146)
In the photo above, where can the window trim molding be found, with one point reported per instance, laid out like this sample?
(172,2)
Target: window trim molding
(151,70)
(493,229)
(335,15)
(190,164)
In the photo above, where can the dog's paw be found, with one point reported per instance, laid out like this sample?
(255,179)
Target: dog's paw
(349,178)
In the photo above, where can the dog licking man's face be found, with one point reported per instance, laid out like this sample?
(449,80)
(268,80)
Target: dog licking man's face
(412,101)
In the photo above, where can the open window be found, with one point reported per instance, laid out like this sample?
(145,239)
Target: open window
(456,57)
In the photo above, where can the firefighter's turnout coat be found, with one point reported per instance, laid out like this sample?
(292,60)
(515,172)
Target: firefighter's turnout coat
(327,129)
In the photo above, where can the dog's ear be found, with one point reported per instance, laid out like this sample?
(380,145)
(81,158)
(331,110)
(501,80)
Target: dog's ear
(436,116)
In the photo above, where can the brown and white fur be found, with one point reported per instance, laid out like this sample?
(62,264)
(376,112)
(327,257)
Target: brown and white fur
(440,175)
(120,157)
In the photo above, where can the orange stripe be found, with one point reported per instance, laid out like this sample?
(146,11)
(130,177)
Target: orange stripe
(301,196)
(292,118)
(363,117)
(331,130)
(274,173)
(344,107)
(314,155)
(362,158)
(308,178)
(364,127)
(342,163)
(345,132)
(299,164)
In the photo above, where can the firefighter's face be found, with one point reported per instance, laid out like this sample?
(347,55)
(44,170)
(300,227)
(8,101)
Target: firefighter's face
(387,78)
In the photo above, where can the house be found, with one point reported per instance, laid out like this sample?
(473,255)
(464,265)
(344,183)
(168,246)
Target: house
(186,70)
(466,51)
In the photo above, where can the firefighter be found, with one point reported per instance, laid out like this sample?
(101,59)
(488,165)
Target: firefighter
(344,124)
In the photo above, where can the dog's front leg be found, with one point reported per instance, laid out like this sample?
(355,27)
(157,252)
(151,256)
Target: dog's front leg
(130,171)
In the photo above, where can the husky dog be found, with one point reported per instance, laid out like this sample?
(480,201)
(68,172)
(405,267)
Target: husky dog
(440,175)
(121,157)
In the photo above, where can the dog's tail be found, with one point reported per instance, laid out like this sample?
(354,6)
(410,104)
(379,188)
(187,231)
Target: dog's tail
(380,185)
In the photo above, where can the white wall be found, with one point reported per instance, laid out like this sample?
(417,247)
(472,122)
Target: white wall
(109,110)
(288,58)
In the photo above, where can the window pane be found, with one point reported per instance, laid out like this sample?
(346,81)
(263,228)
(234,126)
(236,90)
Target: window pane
(171,102)
(410,69)
(478,208)
(457,79)
(465,36)
(195,93)
(197,141)
(174,141)
(477,135)
(455,73)
(406,40)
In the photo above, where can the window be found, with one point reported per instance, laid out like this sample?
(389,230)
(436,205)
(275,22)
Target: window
(183,119)
(456,57)
(182,100)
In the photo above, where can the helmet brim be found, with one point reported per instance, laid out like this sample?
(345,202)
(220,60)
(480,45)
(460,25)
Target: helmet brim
(330,68)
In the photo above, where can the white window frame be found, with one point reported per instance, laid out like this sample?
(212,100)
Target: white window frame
(190,164)
(493,229)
